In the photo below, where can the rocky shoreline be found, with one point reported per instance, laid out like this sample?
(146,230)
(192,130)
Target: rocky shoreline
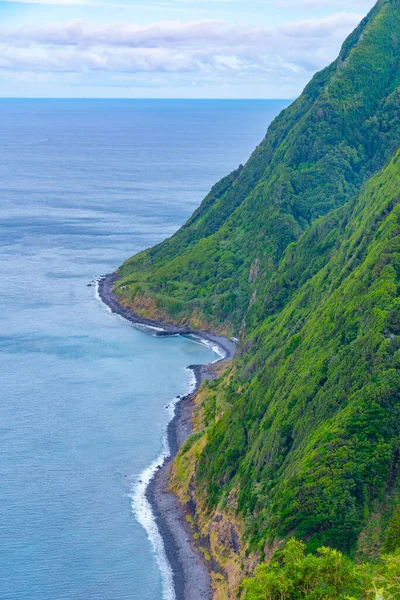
(191,577)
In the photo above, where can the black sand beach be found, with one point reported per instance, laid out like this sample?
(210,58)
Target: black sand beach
(190,574)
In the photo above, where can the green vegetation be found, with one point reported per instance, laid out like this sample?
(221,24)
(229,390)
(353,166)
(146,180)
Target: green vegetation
(315,157)
(327,575)
(311,436)
(298,252)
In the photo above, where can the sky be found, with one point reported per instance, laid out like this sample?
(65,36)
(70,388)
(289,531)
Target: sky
(169,48)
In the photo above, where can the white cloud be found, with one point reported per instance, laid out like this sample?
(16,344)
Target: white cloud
(179,34)
(207,52)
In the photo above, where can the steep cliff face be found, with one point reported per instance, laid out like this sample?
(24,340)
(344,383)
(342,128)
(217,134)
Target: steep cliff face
(309,439)
(299,251)
(314,158)
(302,435)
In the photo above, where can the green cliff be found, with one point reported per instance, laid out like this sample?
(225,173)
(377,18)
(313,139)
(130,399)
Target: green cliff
(298,253)
(314,158)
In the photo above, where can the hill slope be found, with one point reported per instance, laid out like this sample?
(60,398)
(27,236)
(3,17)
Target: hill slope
(315,157)
(306,439)
(299,251)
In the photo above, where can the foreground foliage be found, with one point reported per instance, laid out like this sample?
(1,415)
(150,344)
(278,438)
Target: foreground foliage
(327,575)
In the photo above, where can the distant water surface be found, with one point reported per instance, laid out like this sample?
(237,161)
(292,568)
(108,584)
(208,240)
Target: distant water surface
(85,184)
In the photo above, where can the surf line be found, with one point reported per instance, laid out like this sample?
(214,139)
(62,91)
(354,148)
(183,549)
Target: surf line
(142,507)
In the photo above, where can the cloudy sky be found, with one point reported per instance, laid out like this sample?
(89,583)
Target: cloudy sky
(169,48)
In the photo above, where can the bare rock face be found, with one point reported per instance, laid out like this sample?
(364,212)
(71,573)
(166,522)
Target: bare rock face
(227,535)
(255,267)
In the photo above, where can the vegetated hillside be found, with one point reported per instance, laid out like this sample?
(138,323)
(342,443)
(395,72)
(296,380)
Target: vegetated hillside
(299,251)
(327,575)
(302,437)
(315,157)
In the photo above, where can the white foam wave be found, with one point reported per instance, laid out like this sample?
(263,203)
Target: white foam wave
(216,348)
(142,509)
(97,294)
(144,515)
(146,327)
(191,384)
(108,309)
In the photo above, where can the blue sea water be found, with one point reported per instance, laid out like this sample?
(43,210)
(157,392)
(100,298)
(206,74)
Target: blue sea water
(85,184)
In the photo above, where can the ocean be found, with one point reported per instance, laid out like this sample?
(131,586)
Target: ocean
(86,396)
